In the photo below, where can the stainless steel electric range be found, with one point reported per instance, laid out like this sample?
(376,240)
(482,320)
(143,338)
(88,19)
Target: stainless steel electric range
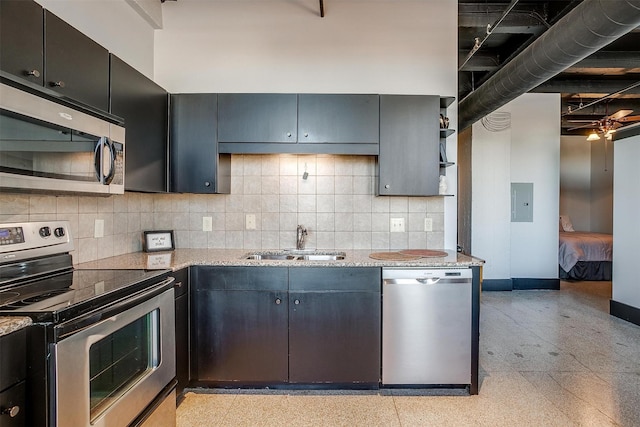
(101,350)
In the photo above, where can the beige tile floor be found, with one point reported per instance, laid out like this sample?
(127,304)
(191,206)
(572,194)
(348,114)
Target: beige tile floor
(547,358)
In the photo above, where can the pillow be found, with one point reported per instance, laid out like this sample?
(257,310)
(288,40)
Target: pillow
(565,223)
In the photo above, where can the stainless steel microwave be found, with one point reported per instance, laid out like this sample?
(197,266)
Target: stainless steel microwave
(48,146)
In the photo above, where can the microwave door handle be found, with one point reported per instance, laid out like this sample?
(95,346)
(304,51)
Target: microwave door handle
(103,143)
(97,158)
(112,161)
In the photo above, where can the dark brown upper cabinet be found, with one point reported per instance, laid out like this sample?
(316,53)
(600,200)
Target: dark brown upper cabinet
(195,164)
(409,160)
(338,119)
(21,35)
(144,106)
(257,117)
(40,48)
(75,66)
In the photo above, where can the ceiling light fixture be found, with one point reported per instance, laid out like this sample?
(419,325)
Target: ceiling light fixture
(593,136)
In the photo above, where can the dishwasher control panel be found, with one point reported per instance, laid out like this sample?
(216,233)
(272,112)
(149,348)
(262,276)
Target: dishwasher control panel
(418,273)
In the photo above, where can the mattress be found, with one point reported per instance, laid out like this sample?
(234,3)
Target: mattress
(584,246)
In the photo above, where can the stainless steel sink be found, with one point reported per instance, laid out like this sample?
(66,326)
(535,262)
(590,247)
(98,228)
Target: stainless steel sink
(277,257)
(297,256)
(322,257)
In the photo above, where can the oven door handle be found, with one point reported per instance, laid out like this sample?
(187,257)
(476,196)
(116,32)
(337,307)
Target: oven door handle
(109,313)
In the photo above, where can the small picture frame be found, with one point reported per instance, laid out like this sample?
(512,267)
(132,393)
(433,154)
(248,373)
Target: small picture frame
(443,152)
(156,241)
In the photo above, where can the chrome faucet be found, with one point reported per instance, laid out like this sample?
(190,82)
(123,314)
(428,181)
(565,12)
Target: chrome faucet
(300,233)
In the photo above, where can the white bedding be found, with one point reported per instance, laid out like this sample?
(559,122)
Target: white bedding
(584,246)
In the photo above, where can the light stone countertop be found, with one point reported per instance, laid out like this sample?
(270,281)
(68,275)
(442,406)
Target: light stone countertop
(181,258)
(12,324)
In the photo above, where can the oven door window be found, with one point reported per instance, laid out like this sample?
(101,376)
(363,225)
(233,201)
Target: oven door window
(119,360)
(40,149)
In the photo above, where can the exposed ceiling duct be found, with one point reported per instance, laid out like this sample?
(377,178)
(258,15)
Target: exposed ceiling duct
(587,28)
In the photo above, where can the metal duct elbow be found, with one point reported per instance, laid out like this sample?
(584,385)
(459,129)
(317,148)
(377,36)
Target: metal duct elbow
(590,26)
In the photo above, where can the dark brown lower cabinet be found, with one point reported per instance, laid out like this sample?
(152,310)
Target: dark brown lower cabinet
(272,325)
(239,325)
(13,401)
(181,289)
(334,325)
(245,337)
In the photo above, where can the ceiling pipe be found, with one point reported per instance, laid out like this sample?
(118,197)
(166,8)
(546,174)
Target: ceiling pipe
(478,43)
(586,29)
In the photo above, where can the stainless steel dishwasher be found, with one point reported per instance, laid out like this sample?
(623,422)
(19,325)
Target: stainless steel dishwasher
(426,326)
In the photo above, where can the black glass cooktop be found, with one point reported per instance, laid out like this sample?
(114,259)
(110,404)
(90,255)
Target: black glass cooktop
(65,295)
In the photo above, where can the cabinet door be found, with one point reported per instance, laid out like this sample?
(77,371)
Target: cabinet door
(13,352)
(242,336)
(181,287)
(239,325)
(338,118)
(182,342)
(334,325)
(76,66)
(409,160)
(257,117)
(144,106)
(14,398)
(21,39)
(196,166)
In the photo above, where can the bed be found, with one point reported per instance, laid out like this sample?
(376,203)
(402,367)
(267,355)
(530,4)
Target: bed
(585,255)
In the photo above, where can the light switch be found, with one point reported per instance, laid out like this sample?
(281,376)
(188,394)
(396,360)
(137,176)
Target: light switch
(428,224)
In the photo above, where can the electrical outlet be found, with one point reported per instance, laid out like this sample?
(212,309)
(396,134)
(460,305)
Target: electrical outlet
(250,222)
(397,225)
(428,224)
(98,228)
(207,223)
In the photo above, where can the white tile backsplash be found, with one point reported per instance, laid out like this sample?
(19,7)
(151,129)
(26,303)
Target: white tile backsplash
(336,203)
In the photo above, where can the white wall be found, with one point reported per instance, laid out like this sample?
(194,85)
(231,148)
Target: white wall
(385,46)
(490,205)
(602,186)
(535,157)
(114,24)
(586,183)
(401,46)
(528,152)
(575,181)
(626,227)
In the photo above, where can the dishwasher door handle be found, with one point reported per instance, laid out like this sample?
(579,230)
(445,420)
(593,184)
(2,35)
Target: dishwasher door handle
(414,281)
(428,281)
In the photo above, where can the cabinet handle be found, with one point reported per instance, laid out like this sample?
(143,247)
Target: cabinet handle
(177,285)
(57,84)
(306,134)
(12,411)
(387,186)
(207,184)
(289,134)
(296,302)
(34,73)
(278,301)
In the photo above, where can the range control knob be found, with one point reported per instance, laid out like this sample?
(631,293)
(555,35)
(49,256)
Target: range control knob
(59,232)
(45,231)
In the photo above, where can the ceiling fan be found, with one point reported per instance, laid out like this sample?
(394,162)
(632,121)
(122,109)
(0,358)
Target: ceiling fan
(606,125)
